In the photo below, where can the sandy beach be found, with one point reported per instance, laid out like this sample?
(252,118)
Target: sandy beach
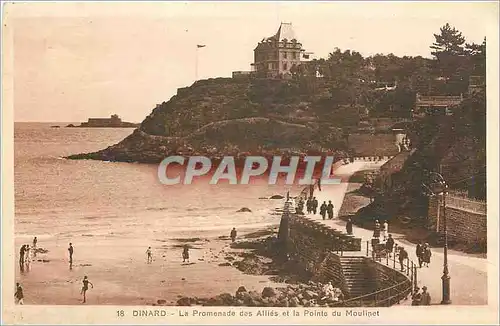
(118,269)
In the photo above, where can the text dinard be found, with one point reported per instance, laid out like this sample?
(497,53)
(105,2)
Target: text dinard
(260,313)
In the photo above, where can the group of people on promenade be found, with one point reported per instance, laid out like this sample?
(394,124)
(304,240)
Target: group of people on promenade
(312,207)
(423,252)
(421,298)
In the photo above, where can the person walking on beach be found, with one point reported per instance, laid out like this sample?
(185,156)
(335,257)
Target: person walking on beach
(419,251)
(426,297)
(389,244)
(27,257)
(322,210)
(70,251)
(385,230)
(402,256)
(19,295)
(185,254)
(35,241)
(426,255)
(85,287)
(233,234)
(348,226)
(22,252)
(330,210)
(149,254)
(314,205)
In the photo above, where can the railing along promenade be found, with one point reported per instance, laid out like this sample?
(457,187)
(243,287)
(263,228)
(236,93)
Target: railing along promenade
(397,284)
(402,283)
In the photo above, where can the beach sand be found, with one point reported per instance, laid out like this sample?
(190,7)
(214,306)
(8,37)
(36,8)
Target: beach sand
(117,266)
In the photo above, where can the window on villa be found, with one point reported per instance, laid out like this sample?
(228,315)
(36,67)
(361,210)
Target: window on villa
(285,66)
(284,55)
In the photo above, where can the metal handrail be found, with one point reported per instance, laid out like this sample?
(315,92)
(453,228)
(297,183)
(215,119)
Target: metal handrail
(399,293)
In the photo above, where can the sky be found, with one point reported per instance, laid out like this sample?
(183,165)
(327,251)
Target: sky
(72,61)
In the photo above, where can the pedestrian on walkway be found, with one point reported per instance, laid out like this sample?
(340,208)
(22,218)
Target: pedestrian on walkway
(314,205)
(402,256)
(329,210)
(389,244)
(375,243)
(322,210)
(427,254)
(309,205)
(385,230)
(419,251)
(19,295)
(348,226)
(376,230)
(426,297)
(416,298)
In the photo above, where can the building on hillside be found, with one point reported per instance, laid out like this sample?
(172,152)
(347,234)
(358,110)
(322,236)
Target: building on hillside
(390,168)
(275,56)
(435,105)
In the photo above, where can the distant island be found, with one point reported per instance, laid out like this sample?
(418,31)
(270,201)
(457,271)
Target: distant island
(113,122)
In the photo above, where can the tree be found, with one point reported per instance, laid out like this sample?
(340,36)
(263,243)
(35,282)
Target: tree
(477,55)
(450,42)
(451,60)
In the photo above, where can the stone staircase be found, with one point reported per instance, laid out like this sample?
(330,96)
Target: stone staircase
(357,281)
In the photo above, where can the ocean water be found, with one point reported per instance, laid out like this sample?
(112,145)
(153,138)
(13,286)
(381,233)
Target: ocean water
(55,197)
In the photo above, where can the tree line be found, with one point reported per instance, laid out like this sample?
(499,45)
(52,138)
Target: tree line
(387,84)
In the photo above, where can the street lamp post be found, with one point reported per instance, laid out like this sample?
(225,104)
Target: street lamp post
(438,186)
(446,277)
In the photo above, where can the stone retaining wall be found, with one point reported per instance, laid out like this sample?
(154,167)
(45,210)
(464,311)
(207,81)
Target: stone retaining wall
(465,224)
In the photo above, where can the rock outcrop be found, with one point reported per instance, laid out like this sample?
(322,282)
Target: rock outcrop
(225,116)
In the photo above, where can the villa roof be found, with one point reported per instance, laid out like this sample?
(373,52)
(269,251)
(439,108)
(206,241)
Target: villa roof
(285,31)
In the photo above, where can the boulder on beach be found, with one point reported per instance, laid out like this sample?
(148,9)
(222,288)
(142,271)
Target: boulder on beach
(244,209)
(268,292)
(276,197)
(161,301)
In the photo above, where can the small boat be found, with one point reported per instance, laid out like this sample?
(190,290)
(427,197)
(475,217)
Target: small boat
(55,126)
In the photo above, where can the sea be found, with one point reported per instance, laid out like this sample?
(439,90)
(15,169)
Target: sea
(58,197)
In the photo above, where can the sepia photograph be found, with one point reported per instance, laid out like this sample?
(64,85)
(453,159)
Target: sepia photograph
(193,159)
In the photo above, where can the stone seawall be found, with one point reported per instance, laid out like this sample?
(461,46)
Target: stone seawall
(326,255)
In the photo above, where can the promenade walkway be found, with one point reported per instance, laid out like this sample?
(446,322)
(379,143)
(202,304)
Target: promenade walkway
(469,284)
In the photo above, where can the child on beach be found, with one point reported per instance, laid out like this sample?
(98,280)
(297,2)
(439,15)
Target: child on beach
(85,287)
(150,255)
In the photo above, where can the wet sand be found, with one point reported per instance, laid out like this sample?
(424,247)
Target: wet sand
(117,266)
